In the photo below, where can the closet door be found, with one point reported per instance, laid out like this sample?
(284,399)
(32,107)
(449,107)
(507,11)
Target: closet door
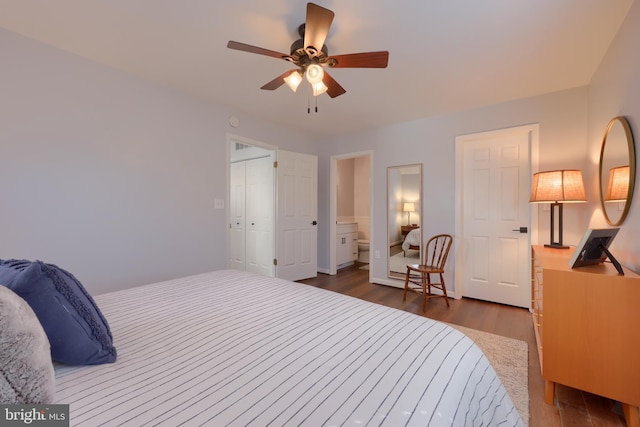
(237,216)
(259,198)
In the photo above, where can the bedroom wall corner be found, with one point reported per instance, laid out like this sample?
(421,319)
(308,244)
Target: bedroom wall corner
(615,91)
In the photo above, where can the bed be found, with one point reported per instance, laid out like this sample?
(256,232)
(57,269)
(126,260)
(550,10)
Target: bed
(412,240)
(234,348)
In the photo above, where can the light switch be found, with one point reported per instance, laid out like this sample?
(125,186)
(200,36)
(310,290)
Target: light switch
(219,204)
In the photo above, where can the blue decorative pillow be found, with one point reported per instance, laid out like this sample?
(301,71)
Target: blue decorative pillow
(77,331)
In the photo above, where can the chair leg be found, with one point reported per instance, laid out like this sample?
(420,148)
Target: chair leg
(424,292)
(444,289)
(406,285)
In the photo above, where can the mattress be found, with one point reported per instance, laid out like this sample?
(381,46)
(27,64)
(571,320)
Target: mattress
(234,348)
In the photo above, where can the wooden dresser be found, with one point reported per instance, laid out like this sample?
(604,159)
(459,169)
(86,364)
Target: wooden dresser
(587,325)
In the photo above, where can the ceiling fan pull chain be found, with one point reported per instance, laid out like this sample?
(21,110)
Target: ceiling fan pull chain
(316,103)
(308,104)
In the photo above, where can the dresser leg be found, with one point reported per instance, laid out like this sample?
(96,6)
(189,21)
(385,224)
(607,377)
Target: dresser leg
(549,392)
(631,414)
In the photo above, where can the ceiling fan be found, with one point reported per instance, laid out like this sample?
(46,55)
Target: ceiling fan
(311,56)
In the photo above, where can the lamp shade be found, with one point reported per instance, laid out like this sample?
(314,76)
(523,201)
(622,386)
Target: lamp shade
(409,207)
(293,80)
(314,73)
(618,188)
(319,88)
(559,186)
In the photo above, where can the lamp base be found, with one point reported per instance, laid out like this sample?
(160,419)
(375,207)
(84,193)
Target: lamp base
(556,246)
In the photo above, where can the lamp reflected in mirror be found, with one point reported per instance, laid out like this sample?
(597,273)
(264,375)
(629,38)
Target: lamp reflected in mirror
(408,208)
(618,187)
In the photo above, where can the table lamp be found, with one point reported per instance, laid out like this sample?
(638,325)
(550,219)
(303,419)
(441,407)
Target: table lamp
(557,187)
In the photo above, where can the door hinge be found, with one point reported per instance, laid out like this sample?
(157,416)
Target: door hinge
(275,261)
(275,164)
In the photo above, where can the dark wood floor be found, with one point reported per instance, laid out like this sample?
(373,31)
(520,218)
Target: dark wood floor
(573,407)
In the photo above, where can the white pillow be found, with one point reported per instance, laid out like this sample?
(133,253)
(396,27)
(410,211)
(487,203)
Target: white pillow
(26,369)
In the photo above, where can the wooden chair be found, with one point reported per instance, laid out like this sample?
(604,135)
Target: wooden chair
(434,257)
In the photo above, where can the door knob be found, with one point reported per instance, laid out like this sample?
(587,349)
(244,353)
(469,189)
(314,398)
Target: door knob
(521,230)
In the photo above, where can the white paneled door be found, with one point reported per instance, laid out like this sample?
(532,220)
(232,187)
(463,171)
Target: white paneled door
(297,207)
(494,254)
(252,215)
(237,216)
(259,216)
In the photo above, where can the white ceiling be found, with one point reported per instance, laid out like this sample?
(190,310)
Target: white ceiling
(445,55)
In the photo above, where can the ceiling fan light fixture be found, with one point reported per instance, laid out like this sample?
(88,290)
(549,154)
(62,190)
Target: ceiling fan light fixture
(293,80)
(319,88)
(310,55)
(314,74)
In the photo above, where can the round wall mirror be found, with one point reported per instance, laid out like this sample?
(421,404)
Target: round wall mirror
(617,171)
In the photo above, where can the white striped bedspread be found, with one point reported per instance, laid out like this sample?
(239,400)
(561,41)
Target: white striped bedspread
(238,349)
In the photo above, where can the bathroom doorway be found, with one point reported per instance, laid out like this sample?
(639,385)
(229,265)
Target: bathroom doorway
(351,210)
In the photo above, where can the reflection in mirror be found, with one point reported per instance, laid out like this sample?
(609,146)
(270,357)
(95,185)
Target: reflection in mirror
(617,171)
(404,216)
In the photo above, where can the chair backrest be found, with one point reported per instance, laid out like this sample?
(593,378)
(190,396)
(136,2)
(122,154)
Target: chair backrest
(436,251)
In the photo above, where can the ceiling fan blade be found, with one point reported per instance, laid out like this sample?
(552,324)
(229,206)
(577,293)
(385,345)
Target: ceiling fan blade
(277,82)
(316,28)
(254,49)
(333,87)
(360,60)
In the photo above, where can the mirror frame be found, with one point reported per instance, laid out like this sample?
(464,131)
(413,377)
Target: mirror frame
(390,274)
(632,169)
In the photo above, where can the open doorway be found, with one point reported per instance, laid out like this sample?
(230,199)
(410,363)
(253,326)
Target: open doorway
(351,211)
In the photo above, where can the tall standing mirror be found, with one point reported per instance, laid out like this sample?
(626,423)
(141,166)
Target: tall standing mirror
(617,171)
(404,216)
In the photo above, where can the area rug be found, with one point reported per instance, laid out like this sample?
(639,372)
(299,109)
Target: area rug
(398,262)
(510,359)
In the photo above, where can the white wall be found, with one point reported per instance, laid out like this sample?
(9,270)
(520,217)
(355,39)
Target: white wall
(114,178)
(361,186)
(615,91)
(111,177)
(345,191)
(562,117)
